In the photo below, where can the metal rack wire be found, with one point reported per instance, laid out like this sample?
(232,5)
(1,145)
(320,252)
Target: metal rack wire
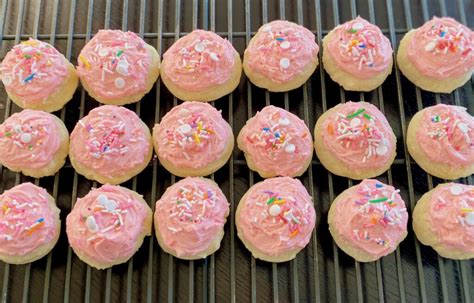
(321,272)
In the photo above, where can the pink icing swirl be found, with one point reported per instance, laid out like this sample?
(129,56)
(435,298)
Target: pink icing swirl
(277,216)
(373,218)
(199,60)
(110,139)
(114,64)
(192,135)
(27,220)
(359,48)
(33,70)
(446,135)
(451,215)
(276,141)
(442,48)
(106,224)
(359,135)
(190,214)
(30,138)
(281,50)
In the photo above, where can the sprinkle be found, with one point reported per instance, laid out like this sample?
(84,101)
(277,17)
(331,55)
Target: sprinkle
(199,47)
(172,229)
(7,80)
(355,122)
(381,150)
(357,26)
(103,52)
(367,116)
(356,113)
(270,201)
(119,83)
(119,53)
(29,78)
(378,200)
(456,189)
(470,218)
(430,46)
(267,29)
(284,63)
(196,138)
(284,121)
(91,224)
(285,44)
(280,201)
(290,148)
(274,210)
(25,138)
(214,57)
(294,233)
(84,61)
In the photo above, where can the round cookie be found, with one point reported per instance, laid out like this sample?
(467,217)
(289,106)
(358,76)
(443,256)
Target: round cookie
(368,220)
(438,56)
(281,56)
(443,218)
(117,67)
(440,139)
(29,224)
(190,217)
(355,140)
(33,142)
(275,219)
(110,145)
(201,66)
(37,76)
(276,143)
(193,140)
(357,55)
(107,226)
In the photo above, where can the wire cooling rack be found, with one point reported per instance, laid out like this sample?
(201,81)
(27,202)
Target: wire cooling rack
(321,272)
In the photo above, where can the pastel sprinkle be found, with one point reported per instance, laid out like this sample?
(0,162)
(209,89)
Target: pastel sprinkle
(25,138)
(290,148)
(294,233)
(199,47)
(284,63)
(270,201)
(84,61)
(274,210)
(378,200)
(120,52)
(103,52)
(284,121)
(119,83)
(356,113)
(456,189)
(285,44)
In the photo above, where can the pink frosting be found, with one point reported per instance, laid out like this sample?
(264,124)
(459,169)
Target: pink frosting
(281,50)
(33,70)
(30,138)
(446,135)
(190,214)
(114,64)
(106,224)
(277,216)
(27,220)
(111,140)
(359,135)
(192,135)
(442,48)
(277,141)
(451,216)
(359,48)
(199,60)
(373,218)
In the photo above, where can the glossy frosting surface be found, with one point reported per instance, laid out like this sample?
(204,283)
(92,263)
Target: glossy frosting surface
(281,50)
(27,220)
(359,48)
(192,135)
(277,216)
(446,135)
(199,60)
(442,48)
(373,218)
(359,135)
(114,64)
(190,214)
(30,138)
(110,140)
(33,70)
(106,224)
(277,141)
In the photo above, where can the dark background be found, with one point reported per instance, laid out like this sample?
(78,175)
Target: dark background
(321,272)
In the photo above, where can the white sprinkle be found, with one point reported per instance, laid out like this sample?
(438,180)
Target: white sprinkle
(285,44)
(107,229)
(290,148)
(214,57)
(357,26)
(186,156)
(185,128)
(463,127)
(103,52)
(102,199)
(274,210)
(461,220)
(123,63)
(18,128)
(470,218)
(456,189)
(7,80)
(355,122)
(267,29)
(284,121)
(381,150)
(25,138)
(173,229)
(199,47)
(110,205)
(284,63)
(91,224)
(119,83)
(122,70)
